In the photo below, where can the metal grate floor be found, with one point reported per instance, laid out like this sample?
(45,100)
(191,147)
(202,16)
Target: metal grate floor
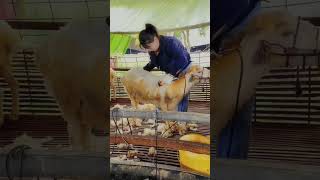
(194,106)
(164,156)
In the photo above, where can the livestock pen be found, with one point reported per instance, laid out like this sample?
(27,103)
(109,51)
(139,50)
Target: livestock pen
(154,140)
(40,115)
(285,118)
(167,148)
(277,136)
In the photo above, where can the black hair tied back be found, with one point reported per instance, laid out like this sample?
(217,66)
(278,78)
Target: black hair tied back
(147,35)
(150,29)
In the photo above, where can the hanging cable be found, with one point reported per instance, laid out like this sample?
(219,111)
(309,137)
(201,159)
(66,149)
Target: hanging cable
(15,14)
(88,9)
(237,99)
(51,10)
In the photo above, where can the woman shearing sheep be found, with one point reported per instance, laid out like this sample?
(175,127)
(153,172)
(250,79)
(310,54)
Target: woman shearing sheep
(167,54)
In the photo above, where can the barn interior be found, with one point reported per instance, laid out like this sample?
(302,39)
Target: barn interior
(285,127)
(193,30)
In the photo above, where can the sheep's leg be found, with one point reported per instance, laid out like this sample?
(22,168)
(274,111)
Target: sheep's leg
(80,133)
(75,134)
(114,91)
(112,87)
(82,140)
(86,138)
(80,136)
(134,104)
(13,84)
(164,107)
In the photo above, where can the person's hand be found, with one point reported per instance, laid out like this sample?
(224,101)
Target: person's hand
(160,83)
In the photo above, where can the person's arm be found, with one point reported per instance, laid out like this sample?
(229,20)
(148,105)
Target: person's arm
(149,66)
(180,57)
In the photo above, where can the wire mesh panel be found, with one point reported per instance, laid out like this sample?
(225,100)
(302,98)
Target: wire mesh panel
(34,97)
(277,99)
(292,143)
(38,108)
(286,114)
(139,60)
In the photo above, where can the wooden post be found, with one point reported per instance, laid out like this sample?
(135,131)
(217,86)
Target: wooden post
(145,170)
(169,115)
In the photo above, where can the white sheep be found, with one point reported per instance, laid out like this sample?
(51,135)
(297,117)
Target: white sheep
(143,87)
(73,64)
(8,46)
(276,26)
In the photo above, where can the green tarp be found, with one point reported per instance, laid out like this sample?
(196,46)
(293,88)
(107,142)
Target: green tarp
(119,44)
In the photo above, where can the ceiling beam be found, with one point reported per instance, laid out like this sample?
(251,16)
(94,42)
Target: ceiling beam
(32,25)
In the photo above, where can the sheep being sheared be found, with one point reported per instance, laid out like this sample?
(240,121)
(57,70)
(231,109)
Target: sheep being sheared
(144,87)
(73,64)
(275,26)
(8,46)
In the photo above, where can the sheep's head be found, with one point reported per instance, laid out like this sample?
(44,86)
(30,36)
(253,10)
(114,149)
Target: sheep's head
(272,21)
(198,74)
(275,29)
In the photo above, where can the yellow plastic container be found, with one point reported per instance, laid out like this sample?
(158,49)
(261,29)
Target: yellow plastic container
(194,161)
